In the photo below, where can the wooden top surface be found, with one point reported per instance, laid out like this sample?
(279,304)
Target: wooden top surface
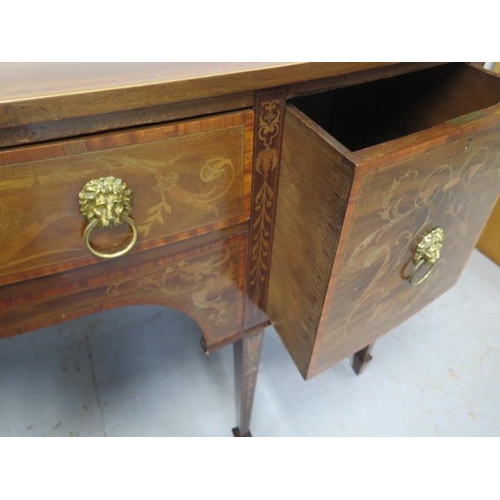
(34,92)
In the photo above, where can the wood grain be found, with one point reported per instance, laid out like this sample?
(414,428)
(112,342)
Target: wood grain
(37,92)
(126,117)
(269,112)
(206,282)
(356,78)
(453,187)
(246,368)
(313,191)
(71,127)
(188,178)
(336,288)
(340,243)
(406,114)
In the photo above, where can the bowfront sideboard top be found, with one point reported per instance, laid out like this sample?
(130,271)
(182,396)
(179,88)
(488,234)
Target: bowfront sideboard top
(31,92)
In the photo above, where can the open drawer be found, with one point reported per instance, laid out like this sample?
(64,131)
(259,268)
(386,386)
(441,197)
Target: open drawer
(384,189)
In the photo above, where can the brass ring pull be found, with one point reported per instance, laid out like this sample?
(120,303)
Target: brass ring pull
(106,202)
(419,264)
(428,252)
(112,255)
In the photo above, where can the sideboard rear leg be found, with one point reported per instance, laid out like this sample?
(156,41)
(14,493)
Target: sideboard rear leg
(361,359)
(246,367)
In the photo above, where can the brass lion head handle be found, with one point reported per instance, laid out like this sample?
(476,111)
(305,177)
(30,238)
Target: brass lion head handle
(427,253)
(106,202)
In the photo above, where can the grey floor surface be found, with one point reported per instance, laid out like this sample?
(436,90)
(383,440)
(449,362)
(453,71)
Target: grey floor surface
(140,372)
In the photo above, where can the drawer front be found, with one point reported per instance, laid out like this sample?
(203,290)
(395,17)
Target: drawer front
(187,178)
(454,188)
(206,282)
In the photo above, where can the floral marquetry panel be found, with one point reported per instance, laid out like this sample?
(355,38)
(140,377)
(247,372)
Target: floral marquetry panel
(187,178)
(454,188)
(206,283)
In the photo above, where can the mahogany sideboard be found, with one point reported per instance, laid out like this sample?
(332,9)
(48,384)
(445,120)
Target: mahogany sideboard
(333,200)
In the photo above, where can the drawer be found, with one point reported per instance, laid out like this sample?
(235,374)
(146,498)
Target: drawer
(187,178)
(207,282)
(367,173)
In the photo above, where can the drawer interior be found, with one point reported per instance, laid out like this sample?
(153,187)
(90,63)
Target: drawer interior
(372,113)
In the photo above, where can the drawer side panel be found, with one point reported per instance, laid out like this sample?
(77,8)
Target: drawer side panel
(313,191)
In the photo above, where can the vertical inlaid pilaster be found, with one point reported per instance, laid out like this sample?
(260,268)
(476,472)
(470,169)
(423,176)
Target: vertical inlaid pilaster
(268,133)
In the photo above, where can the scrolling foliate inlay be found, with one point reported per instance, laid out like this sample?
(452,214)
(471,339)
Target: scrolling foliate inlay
(215,169)
(267,150)
(216,174)
(416,200)
(206,283)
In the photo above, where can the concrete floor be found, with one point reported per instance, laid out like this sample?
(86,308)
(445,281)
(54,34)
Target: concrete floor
(140,372)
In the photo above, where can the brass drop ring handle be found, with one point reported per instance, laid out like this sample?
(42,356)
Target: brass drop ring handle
(420,263)
(112,255)
(428,252)
(106,202)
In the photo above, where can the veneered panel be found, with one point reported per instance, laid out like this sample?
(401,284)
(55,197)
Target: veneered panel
(187,178)
(206,282)
(313,191)
(453,187)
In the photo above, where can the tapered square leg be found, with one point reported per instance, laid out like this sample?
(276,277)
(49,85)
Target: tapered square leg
(246,367)
(361,359)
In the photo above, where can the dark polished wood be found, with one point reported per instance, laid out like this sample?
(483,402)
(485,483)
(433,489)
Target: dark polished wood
(41,92)
(414,168)
(206,282)
(269,112)
(246,367)
(313,192)
(71,127)
(377,112)
(248,207)
(355,78)
(361,359)
(187,178)
(43,128)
